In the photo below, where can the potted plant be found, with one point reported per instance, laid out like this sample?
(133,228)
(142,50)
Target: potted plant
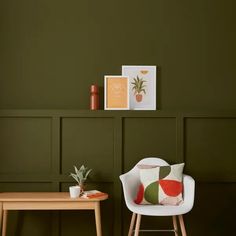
(81,175)
(138,87)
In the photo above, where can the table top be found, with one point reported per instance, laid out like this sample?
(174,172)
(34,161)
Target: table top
(45,197)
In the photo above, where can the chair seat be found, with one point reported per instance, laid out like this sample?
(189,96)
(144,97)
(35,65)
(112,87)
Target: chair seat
(159,210)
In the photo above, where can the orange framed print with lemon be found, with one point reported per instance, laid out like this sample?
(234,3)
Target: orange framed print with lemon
(142,86)
(116,92)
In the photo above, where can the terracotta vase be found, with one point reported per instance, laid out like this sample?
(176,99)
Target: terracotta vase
(94,97)
(139,97)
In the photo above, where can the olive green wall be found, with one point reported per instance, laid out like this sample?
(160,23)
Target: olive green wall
(59,49)
(51,51)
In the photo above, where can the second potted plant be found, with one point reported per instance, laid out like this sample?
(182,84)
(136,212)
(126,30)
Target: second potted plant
(81,175)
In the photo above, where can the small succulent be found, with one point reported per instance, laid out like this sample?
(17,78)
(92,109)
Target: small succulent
(81,174)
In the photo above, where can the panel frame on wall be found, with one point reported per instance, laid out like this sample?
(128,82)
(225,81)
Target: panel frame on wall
(56,179)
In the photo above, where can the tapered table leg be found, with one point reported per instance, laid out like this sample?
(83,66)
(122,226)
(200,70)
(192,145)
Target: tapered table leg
(4,223)
(98,219)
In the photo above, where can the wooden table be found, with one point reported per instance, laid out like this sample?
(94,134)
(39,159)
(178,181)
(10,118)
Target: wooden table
(47,201)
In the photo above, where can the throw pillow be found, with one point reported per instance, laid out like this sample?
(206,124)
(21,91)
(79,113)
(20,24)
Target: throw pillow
(161,185)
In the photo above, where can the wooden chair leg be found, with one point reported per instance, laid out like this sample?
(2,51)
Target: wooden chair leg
(182,226)
(175,225)
(131,227)
(137,225)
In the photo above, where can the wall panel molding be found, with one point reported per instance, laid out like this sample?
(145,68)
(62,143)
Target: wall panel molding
(118,139)
(119,118)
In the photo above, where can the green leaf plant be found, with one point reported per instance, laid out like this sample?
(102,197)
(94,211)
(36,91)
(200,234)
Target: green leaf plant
(138,87)
(81,174)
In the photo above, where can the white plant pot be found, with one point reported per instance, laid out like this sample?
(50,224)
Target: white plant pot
(74,191)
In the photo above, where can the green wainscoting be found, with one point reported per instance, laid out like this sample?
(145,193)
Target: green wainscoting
(27,137)
(38,149)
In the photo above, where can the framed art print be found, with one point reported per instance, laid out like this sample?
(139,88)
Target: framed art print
(116,91)
(142,86)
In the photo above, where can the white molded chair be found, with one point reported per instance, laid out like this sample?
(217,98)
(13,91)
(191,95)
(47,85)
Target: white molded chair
(130,182)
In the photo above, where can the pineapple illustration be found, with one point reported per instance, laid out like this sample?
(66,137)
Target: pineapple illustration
(139,88)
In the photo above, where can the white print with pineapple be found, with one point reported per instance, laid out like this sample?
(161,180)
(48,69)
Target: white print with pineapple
(142,85)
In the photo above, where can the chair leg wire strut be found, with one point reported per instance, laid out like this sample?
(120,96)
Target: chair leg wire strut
(137,218)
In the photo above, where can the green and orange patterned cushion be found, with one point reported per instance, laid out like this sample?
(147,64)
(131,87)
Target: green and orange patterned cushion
(161,185)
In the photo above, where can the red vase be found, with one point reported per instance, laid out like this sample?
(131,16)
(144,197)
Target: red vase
(94,97)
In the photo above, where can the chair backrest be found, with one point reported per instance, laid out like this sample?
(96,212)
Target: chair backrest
(152,161)
(132,177)
(148,161)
